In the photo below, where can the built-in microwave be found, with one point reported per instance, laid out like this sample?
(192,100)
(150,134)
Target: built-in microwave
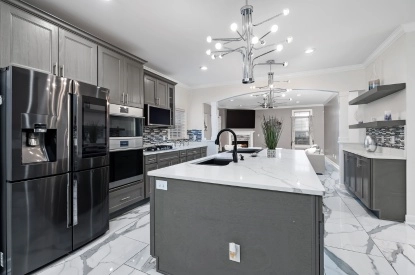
(126,127)
(157,116)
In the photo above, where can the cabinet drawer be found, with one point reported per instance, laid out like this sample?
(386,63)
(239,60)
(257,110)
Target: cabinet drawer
(126,195)
(204,151)
(183,160)
(183,153)
(150,159)
(197,156)
(167,156)
(163,164)
(194,151)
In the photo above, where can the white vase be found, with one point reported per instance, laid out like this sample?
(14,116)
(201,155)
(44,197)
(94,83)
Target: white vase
(271,153)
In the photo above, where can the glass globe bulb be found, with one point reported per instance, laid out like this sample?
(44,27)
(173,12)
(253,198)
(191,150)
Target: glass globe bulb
(218,46)
(274,28)
(208,52)
(280,47)
(283,95)
(290,39)
(220,56)
(286,11)
(271,86)
(255,40)
(209,39)
(213,56)
(285,64)
(234,27)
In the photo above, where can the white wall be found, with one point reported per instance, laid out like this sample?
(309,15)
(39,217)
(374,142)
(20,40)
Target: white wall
(182,100)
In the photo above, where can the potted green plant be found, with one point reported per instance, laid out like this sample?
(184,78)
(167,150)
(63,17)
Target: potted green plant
(272,129)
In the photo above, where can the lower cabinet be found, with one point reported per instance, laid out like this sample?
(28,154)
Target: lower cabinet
(380,184)
(126,195)
(166,159)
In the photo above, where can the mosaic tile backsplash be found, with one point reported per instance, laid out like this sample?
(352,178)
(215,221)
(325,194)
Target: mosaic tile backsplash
(389,137)
(195,135)
(154,135)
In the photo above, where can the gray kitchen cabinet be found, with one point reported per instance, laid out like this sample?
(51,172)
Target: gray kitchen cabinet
(111,74)
(150,86)
(27,40)
(148,168)
(380,184)
(162,94)
(163,164)
(124,196)
(77,57)
(133,83)
(172,104)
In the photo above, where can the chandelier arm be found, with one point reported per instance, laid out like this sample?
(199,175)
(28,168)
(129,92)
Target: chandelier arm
(262,55)
(264,35)
(241,36)
(226,39)
(269,19)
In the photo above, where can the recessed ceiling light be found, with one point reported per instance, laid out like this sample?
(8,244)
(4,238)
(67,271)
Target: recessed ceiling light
(298,94)
(203,68)
(283,95)
(289,90)
(232,99)
(298,102)
(310,50)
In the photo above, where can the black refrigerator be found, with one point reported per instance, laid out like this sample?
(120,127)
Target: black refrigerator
(54,167)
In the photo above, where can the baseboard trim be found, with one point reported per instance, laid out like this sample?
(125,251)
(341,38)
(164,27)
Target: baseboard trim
(410,219)
(332,163)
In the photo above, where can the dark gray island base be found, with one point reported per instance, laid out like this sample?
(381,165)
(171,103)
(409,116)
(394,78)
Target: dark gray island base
(192,224)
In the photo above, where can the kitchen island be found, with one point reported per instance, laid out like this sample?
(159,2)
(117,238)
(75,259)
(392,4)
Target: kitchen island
(270,207)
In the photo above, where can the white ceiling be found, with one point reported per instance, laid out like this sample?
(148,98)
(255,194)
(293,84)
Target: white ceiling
(299,98)
(171,35)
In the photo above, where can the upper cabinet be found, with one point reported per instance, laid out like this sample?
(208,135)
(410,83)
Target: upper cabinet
(77,57)
(150,88)
(133,83)
(162,95)
(122,76)
(111,74)
(27,40)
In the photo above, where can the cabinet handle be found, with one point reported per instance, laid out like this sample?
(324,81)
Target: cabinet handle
(126,198)
(55,67)
(62,71)
(127,98)
(68,206)
(75,202)
(123,98)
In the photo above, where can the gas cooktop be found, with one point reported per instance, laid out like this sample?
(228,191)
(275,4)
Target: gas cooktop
(159,148)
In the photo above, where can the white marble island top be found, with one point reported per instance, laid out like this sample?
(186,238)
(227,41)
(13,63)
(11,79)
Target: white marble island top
(290,171)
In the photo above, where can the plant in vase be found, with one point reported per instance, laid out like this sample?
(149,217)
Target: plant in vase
(272,129)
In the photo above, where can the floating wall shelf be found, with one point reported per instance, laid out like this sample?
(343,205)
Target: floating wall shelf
(377,93)
(379,124)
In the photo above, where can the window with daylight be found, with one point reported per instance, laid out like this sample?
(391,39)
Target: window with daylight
(179,130)
(302,128)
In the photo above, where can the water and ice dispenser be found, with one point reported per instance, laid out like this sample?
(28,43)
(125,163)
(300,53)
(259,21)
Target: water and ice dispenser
(38,144)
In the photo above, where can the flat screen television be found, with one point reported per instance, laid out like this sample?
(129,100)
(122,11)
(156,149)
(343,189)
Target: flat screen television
(240,119)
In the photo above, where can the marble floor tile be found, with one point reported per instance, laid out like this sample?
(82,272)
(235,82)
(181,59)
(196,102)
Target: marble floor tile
(388,230)
(341,217)
(400,256)
(126,270)
(143,261)
(345,262)
(335,203)
(138,230)
(349,237)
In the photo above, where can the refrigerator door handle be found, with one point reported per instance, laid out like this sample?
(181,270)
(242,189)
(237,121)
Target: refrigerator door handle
(68,205)
(75,202)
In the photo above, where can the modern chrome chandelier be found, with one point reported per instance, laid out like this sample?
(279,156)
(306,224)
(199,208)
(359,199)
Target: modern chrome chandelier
(250,42)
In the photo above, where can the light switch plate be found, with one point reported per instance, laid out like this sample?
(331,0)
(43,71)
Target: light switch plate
(235,255)
(161,184)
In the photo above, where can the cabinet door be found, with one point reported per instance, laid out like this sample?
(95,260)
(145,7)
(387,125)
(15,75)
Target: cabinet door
(148,168)
(352,164)
(27,40)
(175,161)
(77,58)
(346,169)
(111,74)
(133,83)
(172,104)
(162,96)
(366,181)
(358,181)
(163,164)
(150,86)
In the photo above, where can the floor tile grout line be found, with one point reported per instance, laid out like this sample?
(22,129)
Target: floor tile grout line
(355,251)
(335,190)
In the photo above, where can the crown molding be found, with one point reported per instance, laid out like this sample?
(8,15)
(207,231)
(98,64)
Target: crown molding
(330,98)
(395,35)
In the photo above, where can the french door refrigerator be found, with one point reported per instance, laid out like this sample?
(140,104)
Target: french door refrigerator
(54,167)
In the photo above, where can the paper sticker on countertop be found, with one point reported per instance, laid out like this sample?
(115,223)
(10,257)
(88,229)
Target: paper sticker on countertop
(161,184)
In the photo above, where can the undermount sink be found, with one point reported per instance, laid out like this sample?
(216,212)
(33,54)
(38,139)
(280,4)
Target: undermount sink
(246,151)
(215,161)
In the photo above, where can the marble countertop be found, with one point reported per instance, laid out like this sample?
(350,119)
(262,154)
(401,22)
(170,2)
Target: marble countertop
(290,171)
(373,155)
(178,148)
